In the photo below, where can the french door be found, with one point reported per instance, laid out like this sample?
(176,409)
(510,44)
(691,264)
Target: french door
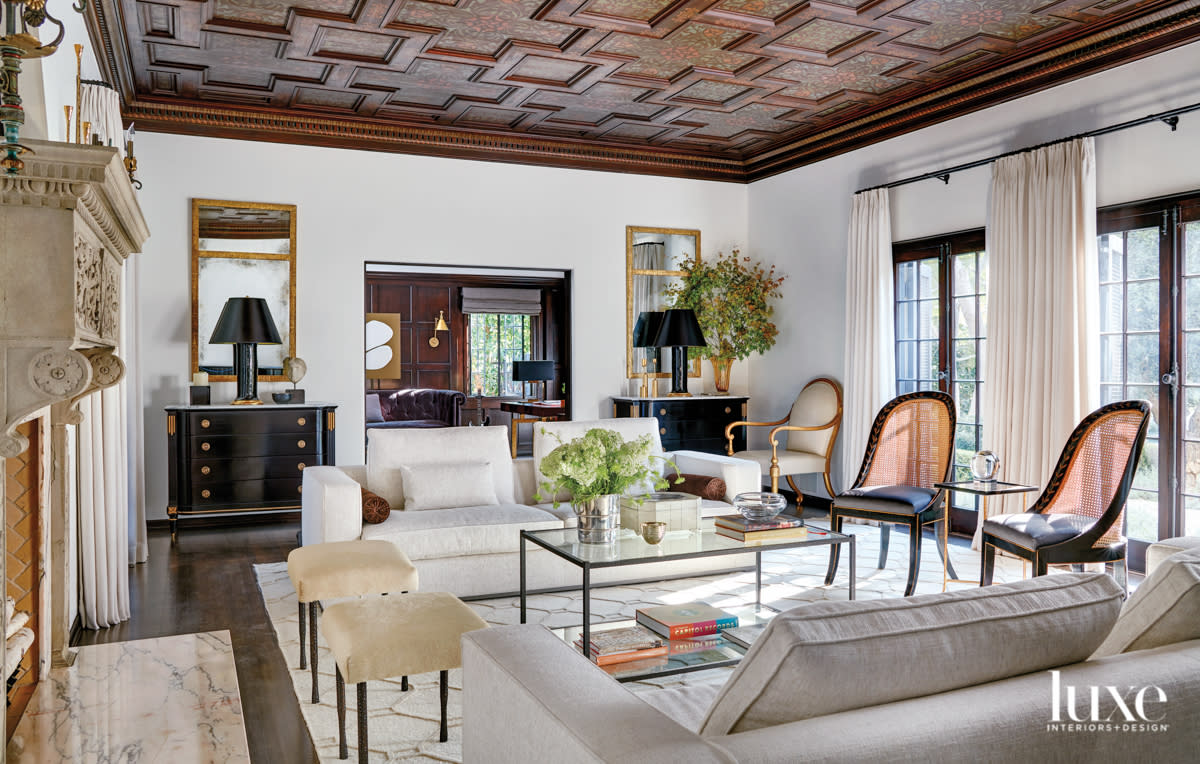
(941,317)
(1149,260)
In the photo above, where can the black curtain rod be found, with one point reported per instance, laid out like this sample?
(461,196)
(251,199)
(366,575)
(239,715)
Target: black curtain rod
(1171,118)
(102,83)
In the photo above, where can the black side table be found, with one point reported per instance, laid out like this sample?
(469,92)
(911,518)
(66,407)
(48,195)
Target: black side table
(984,488)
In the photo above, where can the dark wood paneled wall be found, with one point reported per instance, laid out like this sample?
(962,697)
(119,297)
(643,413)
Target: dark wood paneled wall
(418,297)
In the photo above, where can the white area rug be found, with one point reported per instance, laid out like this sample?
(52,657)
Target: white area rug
(403,726)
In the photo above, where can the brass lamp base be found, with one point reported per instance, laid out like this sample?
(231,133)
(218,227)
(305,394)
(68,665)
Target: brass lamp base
(247,402)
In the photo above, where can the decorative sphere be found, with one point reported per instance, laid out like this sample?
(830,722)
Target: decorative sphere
(984,466)
(759,506)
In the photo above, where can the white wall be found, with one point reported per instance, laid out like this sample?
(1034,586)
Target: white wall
(355,206)
(799,219)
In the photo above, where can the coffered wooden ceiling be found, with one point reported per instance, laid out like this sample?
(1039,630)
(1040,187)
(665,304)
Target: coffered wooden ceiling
(722,89)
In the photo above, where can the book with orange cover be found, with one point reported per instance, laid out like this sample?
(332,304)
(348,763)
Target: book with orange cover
(692,619)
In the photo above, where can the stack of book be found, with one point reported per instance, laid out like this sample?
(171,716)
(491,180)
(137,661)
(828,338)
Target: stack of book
(692,619)
(621,645)
(758,531)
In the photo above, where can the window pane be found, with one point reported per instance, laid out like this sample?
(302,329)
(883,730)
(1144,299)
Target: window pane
(906,281)
(983,308)
(496,341)
(1191,516)
(1147,393)
(906,321)
(1111,394)
(1143,306)
(928,278)
(1112,308)
(983,273)
(1191,247)
(964,317)
(906,360)
(1110,250)
(928,360)
(1141,515)
(1191,415)
(1146,475)
(1142,257)
(964,274)
(1191,295)
(964,359)
(1141,364)
(928,322)
(1112,361)
(968,402)
(1191,358)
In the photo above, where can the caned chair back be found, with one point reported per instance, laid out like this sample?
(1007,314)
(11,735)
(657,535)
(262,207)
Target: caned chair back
(1095,471)
(819,403)
(911,441)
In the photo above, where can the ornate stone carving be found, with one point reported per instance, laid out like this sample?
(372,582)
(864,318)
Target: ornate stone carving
(110,300)
(89,268)
(12,445)
(107,368)
(60,373)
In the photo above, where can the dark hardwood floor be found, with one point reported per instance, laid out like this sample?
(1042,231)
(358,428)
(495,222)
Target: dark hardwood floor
(205,582)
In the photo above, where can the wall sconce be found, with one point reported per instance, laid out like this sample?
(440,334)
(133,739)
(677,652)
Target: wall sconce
(16,19)
(440,326)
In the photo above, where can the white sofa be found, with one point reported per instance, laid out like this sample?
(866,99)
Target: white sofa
(473,550)
(964,676)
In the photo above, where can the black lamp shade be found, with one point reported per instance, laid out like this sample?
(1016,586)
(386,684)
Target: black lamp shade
(679,329)
(645,331)
(532,371)
(245,319)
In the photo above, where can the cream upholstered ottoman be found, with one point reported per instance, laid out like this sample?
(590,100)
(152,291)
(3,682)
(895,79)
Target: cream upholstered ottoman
(1161,550)
(344,569)
(384,637)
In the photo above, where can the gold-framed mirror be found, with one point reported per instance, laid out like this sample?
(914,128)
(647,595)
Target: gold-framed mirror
(652,261)
(242,249)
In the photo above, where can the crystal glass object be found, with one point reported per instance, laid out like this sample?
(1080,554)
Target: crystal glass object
(759,506)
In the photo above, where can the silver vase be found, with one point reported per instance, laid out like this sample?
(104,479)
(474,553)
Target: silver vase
(599,519)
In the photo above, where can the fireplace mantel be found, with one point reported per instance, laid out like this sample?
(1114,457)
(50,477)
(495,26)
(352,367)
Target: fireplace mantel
(68,223)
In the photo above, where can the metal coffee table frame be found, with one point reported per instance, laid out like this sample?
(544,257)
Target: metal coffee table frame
(626,551)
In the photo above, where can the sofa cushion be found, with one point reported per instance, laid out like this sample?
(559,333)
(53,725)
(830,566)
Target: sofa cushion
(374,408)
(388,449)
(1037,528)
(461,531)
(834,656)
(375,508)
(1164,609)
(445,485)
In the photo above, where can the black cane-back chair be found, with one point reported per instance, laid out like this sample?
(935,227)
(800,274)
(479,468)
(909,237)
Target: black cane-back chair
(908,451)
(1078,518)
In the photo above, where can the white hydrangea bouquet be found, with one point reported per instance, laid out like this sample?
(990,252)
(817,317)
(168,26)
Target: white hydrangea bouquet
(599,463)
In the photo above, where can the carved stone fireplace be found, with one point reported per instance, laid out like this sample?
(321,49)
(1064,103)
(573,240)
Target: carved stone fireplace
(67,222)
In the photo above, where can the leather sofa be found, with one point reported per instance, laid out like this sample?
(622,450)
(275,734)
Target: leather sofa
(968,675)
(414,408)
(471,548)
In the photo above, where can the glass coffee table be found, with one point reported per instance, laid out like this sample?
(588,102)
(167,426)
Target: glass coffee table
(630,549)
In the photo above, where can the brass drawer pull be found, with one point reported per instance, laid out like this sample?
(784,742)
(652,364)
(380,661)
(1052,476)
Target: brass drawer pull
(299,489)
(205,446)
(300,466)
(662,430)
(727,409)
(205,423)
(662,412)
(301,443)
(301,421)
(205,470)
(206,493)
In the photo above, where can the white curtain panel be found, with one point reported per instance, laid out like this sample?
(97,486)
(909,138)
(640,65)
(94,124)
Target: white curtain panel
(103,509)
(139,549)
(1042,370)
(101,106)
(870,379)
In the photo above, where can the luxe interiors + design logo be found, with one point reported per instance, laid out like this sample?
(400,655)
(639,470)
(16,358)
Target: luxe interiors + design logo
(1106,708)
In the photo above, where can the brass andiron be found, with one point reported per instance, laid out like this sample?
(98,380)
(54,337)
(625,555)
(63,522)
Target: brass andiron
(67,111)
(17,18)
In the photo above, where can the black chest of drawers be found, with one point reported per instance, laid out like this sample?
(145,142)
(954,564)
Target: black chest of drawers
(696,423)
(240,459)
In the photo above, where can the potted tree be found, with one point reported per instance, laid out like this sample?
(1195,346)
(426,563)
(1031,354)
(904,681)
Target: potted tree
(732,300)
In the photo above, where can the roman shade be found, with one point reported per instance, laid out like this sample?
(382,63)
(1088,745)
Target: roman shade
(527,302)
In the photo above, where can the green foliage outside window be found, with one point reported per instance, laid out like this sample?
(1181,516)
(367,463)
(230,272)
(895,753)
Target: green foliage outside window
(498,339)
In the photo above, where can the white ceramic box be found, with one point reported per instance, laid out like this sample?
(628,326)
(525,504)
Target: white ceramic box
(680,511)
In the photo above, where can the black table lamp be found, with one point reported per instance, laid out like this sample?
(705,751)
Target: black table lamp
(645,332)
(533,371)
(680,330)
(246,323)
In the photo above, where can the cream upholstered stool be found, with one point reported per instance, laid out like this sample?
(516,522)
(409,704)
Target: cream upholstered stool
(394,636)
(1161,550)
(344,569)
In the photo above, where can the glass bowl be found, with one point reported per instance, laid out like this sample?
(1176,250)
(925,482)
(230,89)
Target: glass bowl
(759,506)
